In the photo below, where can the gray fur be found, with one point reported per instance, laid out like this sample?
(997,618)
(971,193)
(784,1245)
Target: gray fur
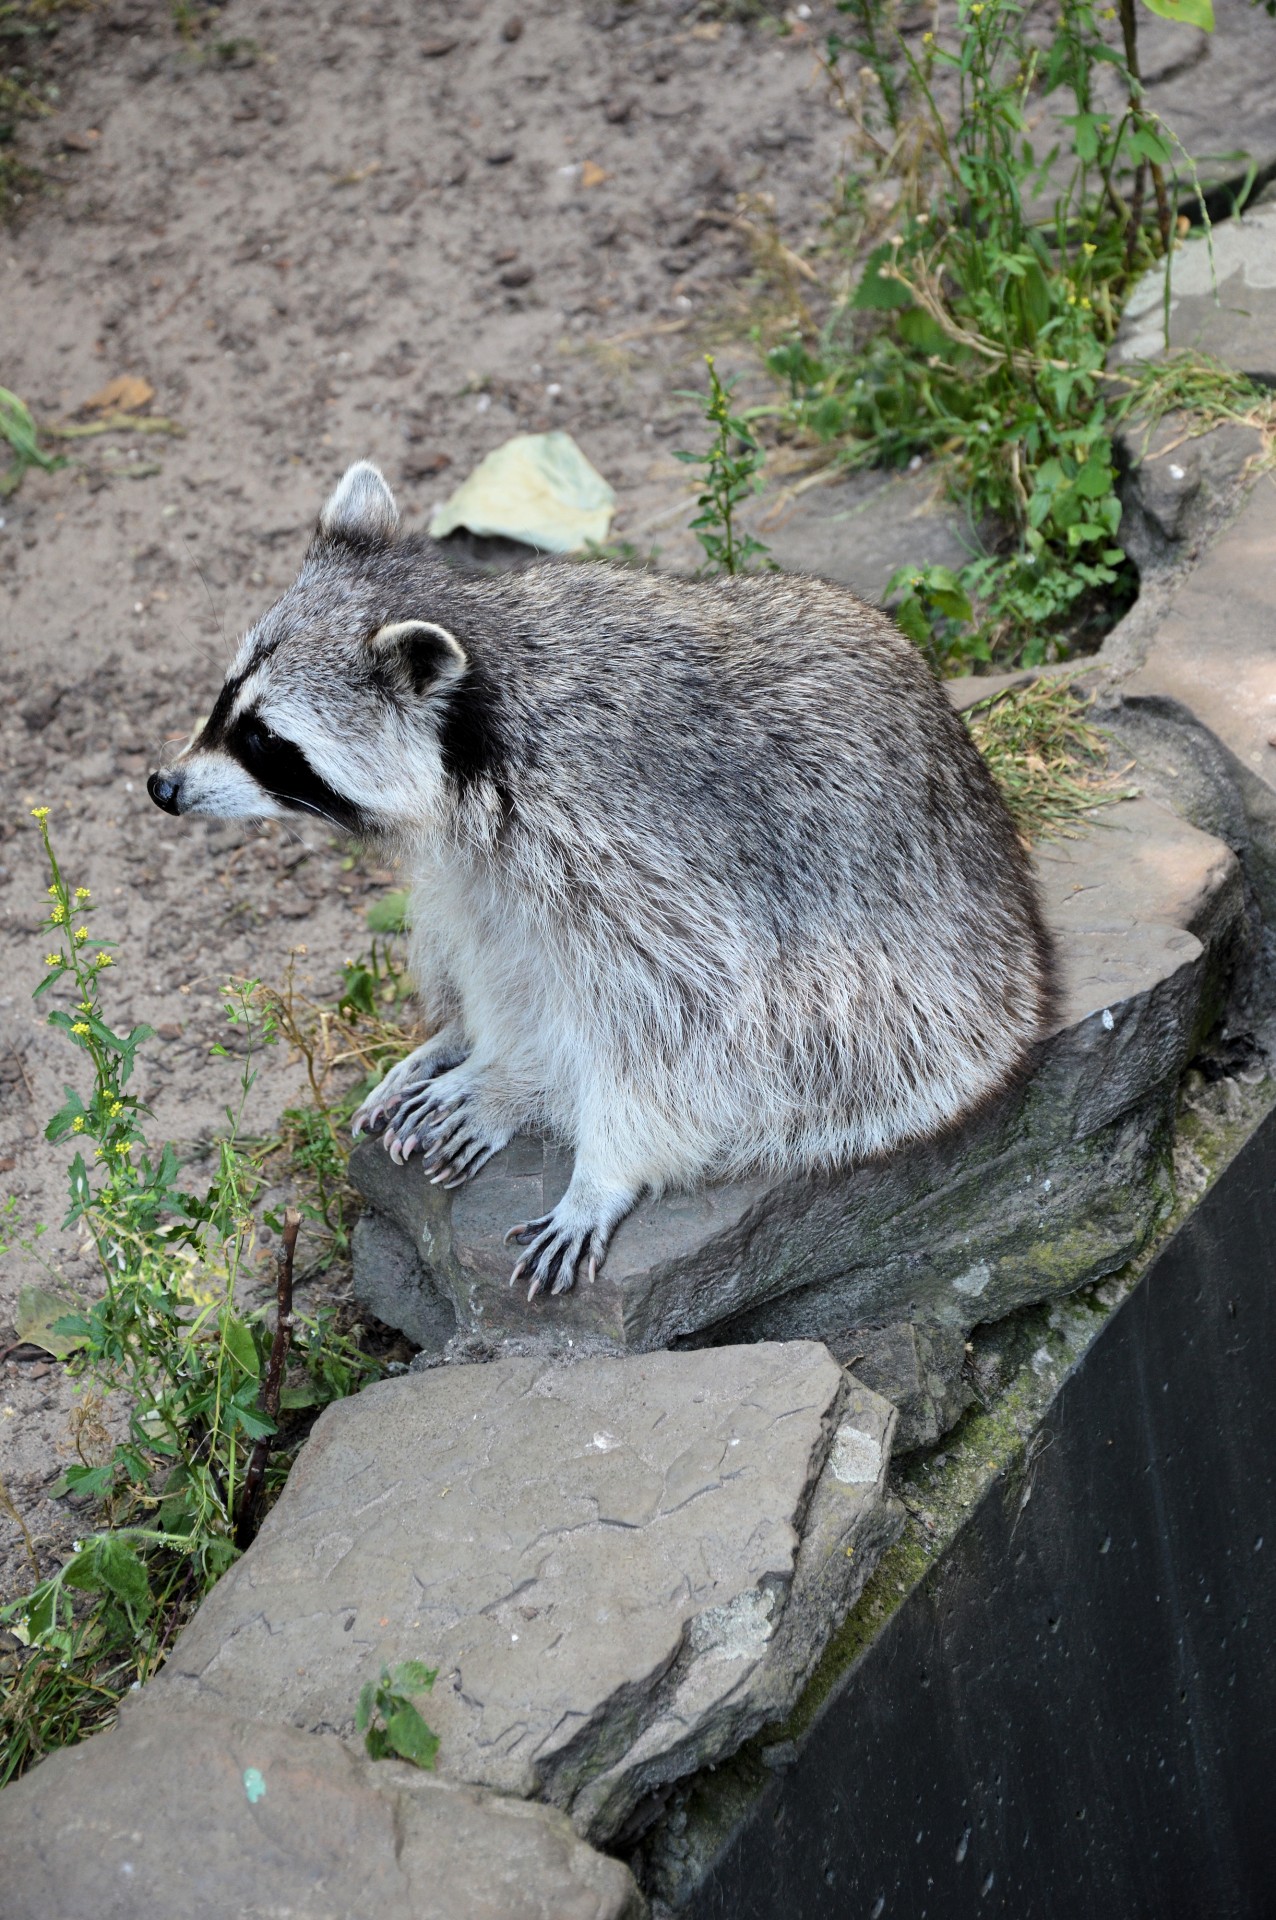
(707,875)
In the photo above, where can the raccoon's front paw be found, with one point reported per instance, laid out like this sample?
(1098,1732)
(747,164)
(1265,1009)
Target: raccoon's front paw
(557,1242)
(459,1142)
(409,1078)
(447,1123)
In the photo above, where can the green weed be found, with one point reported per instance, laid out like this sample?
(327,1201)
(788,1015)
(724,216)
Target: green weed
(362,1030)
(731,473)
(206,1387)
(984,305)
(389,1720)
(18,430)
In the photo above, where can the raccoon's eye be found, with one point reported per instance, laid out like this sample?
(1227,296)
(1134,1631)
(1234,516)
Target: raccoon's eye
(258,739)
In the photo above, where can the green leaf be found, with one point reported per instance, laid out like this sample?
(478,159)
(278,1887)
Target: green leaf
(109,1565)
(409,1736)
(306,1394)
(95,1481)
(413,1676)
(363,1712)
(46,1320)
(241,1346)
(1188,13)
(873,292)
(1145,144)
(918,330)
(254,1424)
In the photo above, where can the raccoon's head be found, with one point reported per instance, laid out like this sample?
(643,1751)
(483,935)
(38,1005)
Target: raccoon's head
(336,698)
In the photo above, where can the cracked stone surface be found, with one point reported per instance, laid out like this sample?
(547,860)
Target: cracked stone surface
(260,1820)
(1060,1184)
(621,1568)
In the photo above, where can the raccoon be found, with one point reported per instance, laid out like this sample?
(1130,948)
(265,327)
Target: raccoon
(707,876)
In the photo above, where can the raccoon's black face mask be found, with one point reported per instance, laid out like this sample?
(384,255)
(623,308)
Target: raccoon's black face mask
(329,708)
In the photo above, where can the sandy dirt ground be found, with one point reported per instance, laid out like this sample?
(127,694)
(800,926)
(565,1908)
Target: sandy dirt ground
(402,232)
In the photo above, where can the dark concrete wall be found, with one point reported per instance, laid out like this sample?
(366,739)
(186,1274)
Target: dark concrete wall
(1075,1714)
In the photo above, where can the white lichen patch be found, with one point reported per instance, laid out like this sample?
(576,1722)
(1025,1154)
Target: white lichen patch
(974,1280)
(855,1457)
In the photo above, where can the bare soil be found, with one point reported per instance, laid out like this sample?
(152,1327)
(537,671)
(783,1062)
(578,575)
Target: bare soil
(400,232)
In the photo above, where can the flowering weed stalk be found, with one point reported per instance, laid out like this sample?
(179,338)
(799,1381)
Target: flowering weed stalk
(172,1339)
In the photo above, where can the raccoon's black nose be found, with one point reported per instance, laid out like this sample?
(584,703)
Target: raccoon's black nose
(164,789)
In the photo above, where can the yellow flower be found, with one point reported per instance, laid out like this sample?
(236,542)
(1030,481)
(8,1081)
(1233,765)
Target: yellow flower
(81,893)
(927,39)
(77,1125)
(53,959)
(1087,247)
(81,935)
(52,892)
(99,1153)
(125,1146)
(115,1109)
(39,813)
(57,914)
(1084,302)
(104,960)
(80,1026)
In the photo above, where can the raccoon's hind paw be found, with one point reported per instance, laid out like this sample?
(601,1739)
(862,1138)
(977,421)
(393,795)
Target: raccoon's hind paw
(554,1251)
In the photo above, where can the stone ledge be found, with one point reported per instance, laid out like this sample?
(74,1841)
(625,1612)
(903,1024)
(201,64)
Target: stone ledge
(622,1569)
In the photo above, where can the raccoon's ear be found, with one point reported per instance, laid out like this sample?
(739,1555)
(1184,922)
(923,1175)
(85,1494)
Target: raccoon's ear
(362,510)
(421,654)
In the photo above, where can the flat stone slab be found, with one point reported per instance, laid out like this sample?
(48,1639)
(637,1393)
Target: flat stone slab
(1060,1184)
(1215,654)
(1236,325)
(862,529)
(621,1569)
(210,1816)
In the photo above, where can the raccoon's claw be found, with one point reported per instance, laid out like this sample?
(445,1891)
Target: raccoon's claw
(554,1253)
(384,1106)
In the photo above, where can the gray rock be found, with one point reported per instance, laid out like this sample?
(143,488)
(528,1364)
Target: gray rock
(919,1367)
(1215,654)
(621,1568)
(1228,311)
(395,1286)
(1177,486)
(208,1816)
(1059,1184)
(862,529)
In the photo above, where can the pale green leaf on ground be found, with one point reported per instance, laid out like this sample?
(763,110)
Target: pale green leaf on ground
(39,1309)
(538,488)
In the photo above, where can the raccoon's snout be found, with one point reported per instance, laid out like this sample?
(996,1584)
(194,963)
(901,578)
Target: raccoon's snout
(164,789)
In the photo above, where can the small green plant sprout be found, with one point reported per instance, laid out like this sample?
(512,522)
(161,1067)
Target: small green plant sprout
(389,1720)
(932,611)
(731,472)
(359,1031)
(19,431)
